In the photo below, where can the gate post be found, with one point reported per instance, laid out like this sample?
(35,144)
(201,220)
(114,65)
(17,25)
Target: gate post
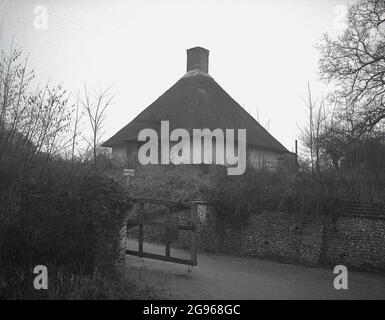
(204,210)
(168,220)
(194,222)
(140,219)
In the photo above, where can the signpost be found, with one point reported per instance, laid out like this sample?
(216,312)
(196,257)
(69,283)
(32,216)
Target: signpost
(128,173)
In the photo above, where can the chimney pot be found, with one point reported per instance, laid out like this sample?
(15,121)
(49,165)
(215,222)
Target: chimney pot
(198,59)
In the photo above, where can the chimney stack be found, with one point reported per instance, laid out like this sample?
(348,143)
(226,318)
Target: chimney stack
(198,59)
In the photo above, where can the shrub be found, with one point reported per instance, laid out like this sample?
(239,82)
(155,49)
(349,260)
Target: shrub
(74,229)
(52,210)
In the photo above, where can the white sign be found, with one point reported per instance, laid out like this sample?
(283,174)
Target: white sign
(129,172)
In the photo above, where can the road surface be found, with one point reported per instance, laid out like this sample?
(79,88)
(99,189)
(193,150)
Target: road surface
(228,277)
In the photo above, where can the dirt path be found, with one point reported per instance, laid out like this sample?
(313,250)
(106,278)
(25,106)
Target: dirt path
(227,277)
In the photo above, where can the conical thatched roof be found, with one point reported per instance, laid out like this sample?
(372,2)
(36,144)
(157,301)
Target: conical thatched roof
(196,101)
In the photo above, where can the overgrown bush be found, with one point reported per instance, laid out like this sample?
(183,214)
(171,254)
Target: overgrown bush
(73,228)
(56,208)
(178,183)
(237,197)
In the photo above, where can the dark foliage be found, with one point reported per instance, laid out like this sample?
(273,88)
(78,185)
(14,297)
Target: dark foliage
(73,228)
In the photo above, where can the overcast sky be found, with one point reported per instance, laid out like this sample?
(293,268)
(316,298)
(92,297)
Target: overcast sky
(261,52)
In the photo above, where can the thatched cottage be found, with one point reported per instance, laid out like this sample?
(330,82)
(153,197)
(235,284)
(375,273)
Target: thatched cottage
(196,101)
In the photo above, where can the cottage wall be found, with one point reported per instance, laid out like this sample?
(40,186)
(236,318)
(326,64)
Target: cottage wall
(262,159)
(119,152)
(255,157)
(125,154)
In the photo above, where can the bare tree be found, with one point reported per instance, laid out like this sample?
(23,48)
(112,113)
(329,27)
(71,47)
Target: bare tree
(14,80)
(312,135)
(355,62)
(95,105)
(76,121)
(33,125)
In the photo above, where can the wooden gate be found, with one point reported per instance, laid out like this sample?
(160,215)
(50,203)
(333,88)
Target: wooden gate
(171,208)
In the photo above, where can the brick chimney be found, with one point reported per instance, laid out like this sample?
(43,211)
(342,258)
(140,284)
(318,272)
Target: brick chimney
(198,59)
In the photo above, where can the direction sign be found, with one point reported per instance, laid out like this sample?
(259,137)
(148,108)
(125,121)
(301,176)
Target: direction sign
(129,172)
